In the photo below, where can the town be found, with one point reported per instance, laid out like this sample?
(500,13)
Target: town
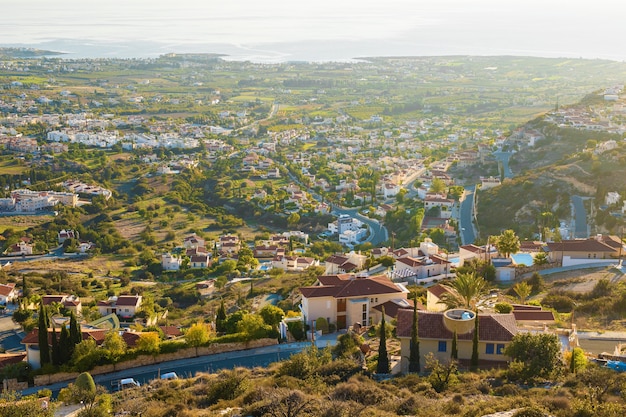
(158,214)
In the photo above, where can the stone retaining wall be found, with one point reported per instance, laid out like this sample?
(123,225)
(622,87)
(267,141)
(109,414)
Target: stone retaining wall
(144,360)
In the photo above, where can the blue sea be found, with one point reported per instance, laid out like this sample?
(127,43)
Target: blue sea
(321,30)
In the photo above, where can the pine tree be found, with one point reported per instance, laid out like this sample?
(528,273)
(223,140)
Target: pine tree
(474,360)
(414,356)
(44,348)
(220,318)
(66,347)
(383,359)
(56,354)
(454,353)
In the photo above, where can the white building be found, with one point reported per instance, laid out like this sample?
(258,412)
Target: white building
(170,262)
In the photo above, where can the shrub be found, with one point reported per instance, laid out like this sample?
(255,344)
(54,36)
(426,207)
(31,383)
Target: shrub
(503,308)
(529,412)
(507,390)
(229,385)
(321,324)
(296,328)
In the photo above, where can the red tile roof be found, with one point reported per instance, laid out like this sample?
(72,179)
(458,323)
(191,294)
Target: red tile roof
(11,358)
(6,289)
(392,308)
(128,300)
(586,245)
(530,315)
(412,262)
(491,327)
(438,290)
(354,287)
(95,334)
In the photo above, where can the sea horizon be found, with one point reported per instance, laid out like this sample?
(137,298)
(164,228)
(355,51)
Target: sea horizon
(275,31)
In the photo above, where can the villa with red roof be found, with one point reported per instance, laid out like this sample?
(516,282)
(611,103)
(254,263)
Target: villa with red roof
(125,306)
(8,293)
(582,251)
(495,332)
(346,299)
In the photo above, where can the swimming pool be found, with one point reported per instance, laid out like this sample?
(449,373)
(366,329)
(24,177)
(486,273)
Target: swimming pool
(523,258)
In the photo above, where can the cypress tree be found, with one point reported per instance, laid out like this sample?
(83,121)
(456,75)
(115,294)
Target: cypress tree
(25,289)
(75,335)
(474,360)
(44,348)
(383,359)
(220,318)
(56,354)
(414,356)
(66,347)
(454,353)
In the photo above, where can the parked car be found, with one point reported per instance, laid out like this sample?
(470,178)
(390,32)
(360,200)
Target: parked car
(124,383)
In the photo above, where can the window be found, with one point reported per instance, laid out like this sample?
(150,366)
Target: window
(443,346)
(364,308)
(500,349)
(371,300)
(490,349)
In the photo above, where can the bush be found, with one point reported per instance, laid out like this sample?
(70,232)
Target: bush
(229,385)
(296,328)
(321,324)
(529,412)
(503,308)
(561,303)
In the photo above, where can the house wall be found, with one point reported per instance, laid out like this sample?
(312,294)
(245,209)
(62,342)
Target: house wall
(464,348)
(313,308)
(32,356)
(432,302)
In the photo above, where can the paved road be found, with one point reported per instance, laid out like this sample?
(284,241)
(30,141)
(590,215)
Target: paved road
(11,333)
(378,232)
(581,230)
(466,224)
(504,157)
(211,363)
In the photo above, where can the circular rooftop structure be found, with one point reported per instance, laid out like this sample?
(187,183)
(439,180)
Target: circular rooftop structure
(459,320)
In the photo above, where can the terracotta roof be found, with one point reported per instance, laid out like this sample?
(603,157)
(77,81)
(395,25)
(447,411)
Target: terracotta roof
(171,331)
(128,300)
(613,241)
(87,333)
(348,266)
(131,338)
(412,262)
(392,308)
(586,245)
(11,358)
(533,315)
(198,258)
(336,279)
(49,299)
(491,327)
(6,289)
(336,259)
(355,287)
(437,290)
(473,248)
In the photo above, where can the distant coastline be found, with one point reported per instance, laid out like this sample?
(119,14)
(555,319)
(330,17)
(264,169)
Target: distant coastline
(273,53)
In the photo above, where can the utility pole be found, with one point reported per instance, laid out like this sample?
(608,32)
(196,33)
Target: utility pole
(393,240)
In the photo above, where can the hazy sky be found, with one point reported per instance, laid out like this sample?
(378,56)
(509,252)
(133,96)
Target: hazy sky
(532,27)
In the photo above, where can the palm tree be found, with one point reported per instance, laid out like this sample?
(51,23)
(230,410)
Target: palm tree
(464,291)
(523,290)
(507,243)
